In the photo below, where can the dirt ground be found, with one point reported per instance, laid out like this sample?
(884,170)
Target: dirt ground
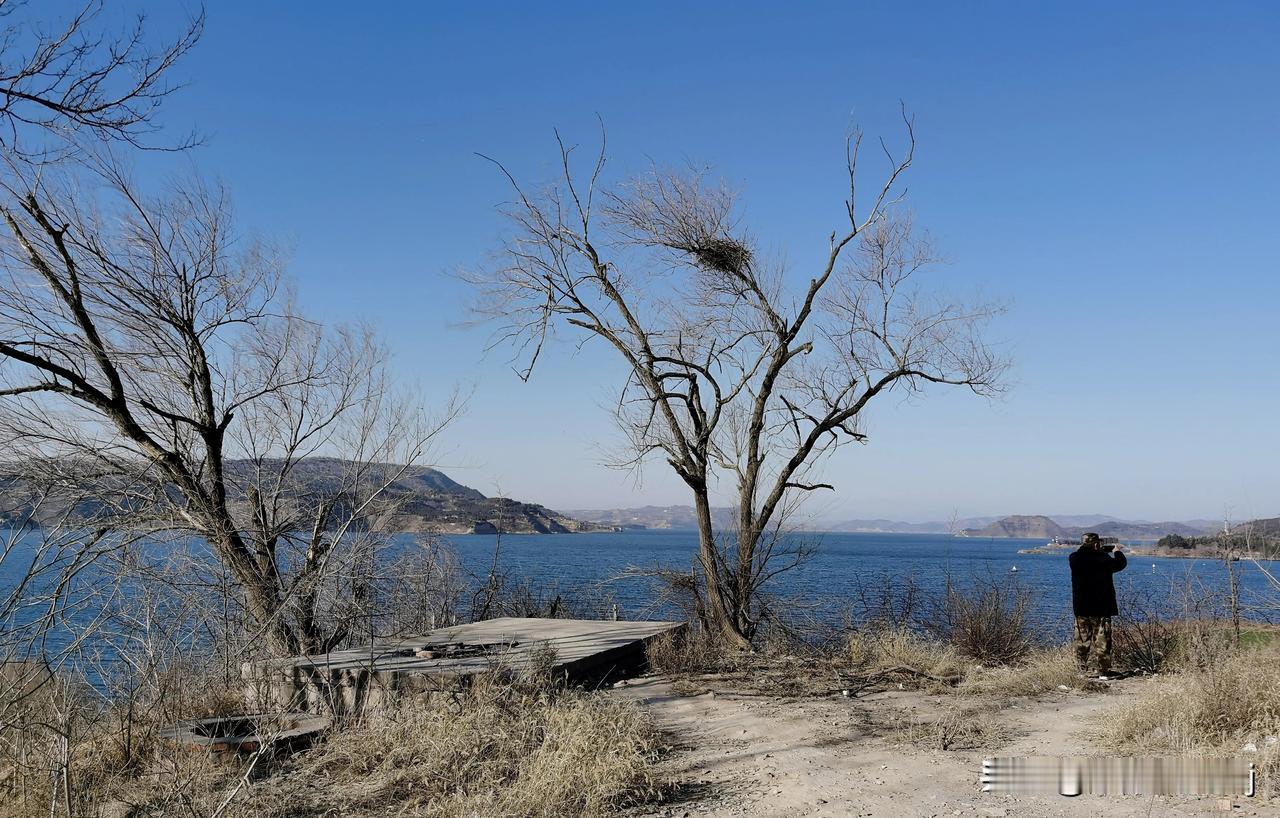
(757,756)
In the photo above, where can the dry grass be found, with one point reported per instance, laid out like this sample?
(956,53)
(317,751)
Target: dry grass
(873,651)
(689,652)
(1220,709)
(1039,673)
(500,750)
(509,749)
(60,742)
(957,728)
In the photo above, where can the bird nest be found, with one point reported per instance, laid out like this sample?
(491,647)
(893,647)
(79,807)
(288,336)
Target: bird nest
(722,255)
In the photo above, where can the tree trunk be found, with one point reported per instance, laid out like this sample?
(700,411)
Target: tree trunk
(261,599)
(719,619)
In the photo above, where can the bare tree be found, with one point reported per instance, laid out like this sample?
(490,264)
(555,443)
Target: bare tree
(60,81)
(735,368)
(158,357)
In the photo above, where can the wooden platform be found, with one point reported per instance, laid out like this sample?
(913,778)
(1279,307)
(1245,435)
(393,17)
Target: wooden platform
(348,681)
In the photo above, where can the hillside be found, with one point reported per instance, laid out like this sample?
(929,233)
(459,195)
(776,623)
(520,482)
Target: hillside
(423,500)
(1263,527)
(1042,527)
(661,517)
(1020,526)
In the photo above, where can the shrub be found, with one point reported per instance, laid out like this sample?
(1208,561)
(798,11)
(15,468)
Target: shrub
(955,729)
(990,623)
(1148,644)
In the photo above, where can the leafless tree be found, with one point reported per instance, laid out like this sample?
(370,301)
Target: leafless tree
(735,367)
(61,81)
(157,356)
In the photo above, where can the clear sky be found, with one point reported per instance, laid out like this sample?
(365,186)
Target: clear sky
(1109,169)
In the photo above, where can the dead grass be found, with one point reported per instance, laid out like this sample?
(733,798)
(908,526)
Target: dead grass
(523,748)
(500,750)
(905,654)
(1041,672)
(1231,707)
(957,728)
(689,652)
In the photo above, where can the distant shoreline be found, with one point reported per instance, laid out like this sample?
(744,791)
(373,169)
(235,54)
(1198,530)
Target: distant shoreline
(1142,551)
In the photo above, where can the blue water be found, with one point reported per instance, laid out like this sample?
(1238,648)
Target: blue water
(841,583)
(846,572)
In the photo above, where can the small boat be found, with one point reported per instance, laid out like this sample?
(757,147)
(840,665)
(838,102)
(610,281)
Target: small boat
(1013,568)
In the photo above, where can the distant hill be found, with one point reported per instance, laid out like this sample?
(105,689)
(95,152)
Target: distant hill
(662,517)
(1042,527)
(1020,526)
(1265,528)
(424,500)
(956,526)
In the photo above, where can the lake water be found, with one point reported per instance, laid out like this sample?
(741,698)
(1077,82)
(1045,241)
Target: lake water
(845,574)
(846,569)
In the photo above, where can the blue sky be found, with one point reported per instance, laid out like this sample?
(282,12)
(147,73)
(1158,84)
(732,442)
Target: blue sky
(1110,170)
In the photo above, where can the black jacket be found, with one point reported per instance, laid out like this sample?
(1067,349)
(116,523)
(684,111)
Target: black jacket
(1092,592)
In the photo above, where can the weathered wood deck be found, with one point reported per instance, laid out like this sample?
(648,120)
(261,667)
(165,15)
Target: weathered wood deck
(347,681)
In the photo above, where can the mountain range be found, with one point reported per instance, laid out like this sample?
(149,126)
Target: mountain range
(1066,526)
(425,499)
(421,500)
(661,517)
(1041,527)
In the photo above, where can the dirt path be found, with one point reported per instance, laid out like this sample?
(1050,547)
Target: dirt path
(761,756)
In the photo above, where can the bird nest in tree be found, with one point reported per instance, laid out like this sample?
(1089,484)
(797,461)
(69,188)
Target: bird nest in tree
(722,255)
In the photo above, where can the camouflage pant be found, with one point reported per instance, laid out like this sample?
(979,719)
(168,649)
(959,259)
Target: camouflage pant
(1092,630)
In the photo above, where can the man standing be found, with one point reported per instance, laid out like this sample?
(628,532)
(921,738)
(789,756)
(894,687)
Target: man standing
(1093,596)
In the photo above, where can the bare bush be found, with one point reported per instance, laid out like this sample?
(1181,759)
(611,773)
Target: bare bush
(1144,638)
(991,622)
(890,602)
(957,728)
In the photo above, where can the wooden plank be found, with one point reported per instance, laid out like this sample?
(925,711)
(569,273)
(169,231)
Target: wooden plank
(347,679)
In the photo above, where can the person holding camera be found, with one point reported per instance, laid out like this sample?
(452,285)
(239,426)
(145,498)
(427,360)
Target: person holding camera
(1093,598)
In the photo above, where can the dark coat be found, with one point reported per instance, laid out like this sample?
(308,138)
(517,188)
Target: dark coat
(1092,591)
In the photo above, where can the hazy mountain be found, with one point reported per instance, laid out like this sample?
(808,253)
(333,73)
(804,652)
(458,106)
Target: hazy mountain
(898,527)
(1042,527)
(423,499)
(1086,520)
(1263,528)
(664,517)
(955,526)
(1066,526)
(1020,526)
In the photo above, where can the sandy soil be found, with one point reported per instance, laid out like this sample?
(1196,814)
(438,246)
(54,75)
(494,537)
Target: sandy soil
(760,756)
